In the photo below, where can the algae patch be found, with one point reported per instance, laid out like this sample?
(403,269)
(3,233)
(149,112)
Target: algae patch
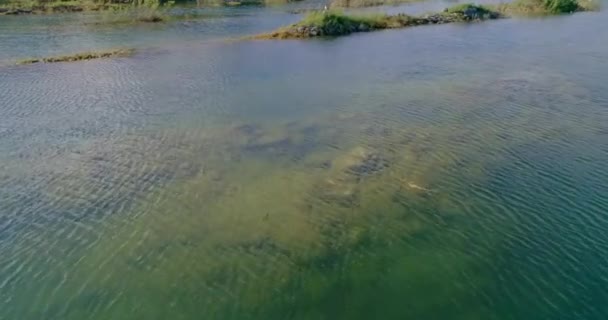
(81,56)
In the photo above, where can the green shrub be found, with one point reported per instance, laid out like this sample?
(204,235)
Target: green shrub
(560,6)
(462,8)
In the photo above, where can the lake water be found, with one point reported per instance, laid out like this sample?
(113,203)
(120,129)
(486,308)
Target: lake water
(438,172)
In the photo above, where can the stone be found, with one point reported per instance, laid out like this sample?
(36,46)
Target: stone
(343,192)
(471,13)
(346,173)
(314,31)
(360,161)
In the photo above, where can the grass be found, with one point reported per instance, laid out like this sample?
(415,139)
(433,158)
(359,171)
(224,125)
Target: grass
(51,6)
(546,7)
(81,56)
(336,17)
(116,7)
(336,23)
(366,3)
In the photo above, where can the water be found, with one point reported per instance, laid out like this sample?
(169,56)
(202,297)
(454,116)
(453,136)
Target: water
(439,172)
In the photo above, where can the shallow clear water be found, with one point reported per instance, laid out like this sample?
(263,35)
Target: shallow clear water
(439,172)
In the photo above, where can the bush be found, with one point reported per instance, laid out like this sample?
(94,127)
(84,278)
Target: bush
(560,6)
(543,6)
(462,8)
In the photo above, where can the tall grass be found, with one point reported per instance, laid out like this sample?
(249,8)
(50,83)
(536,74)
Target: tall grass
(547,7)
(85,5)
(366,3)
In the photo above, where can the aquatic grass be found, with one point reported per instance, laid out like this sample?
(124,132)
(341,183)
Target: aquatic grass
(80,56)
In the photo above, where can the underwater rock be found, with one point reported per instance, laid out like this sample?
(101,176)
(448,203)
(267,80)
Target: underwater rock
(269,141)
(360,161)
(363,27)
(343,192)
(347,171)
(254,138)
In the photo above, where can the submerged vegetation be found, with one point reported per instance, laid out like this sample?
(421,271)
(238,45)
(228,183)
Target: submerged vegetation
(336,23)
(81,56)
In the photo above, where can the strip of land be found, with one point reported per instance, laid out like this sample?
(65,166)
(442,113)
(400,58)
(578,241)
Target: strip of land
(24,7)
(81,56)
(335,23)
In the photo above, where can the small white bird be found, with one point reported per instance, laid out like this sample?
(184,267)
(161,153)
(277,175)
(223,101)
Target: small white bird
(325,8)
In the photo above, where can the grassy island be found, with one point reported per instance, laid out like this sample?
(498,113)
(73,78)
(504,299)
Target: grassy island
(20,7)
(23,7)
(81,56)
(335,23)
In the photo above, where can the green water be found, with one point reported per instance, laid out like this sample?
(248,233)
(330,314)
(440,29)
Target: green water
(448,172)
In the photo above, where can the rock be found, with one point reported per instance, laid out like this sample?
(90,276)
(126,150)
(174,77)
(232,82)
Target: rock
(335,191)
(438,18)
(17,11)
(68,8)
(360,162)
(256,139)
(314,31)
(346,173)
(471,13)
(363,27)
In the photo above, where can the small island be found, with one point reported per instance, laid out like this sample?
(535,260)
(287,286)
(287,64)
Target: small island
(90,55)
(336,23)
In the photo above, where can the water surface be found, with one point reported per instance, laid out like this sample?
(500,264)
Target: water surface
(440,172)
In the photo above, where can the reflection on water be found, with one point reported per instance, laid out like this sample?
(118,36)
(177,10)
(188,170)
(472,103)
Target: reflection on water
(449,179)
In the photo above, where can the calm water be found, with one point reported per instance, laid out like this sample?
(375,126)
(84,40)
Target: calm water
(440,172)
